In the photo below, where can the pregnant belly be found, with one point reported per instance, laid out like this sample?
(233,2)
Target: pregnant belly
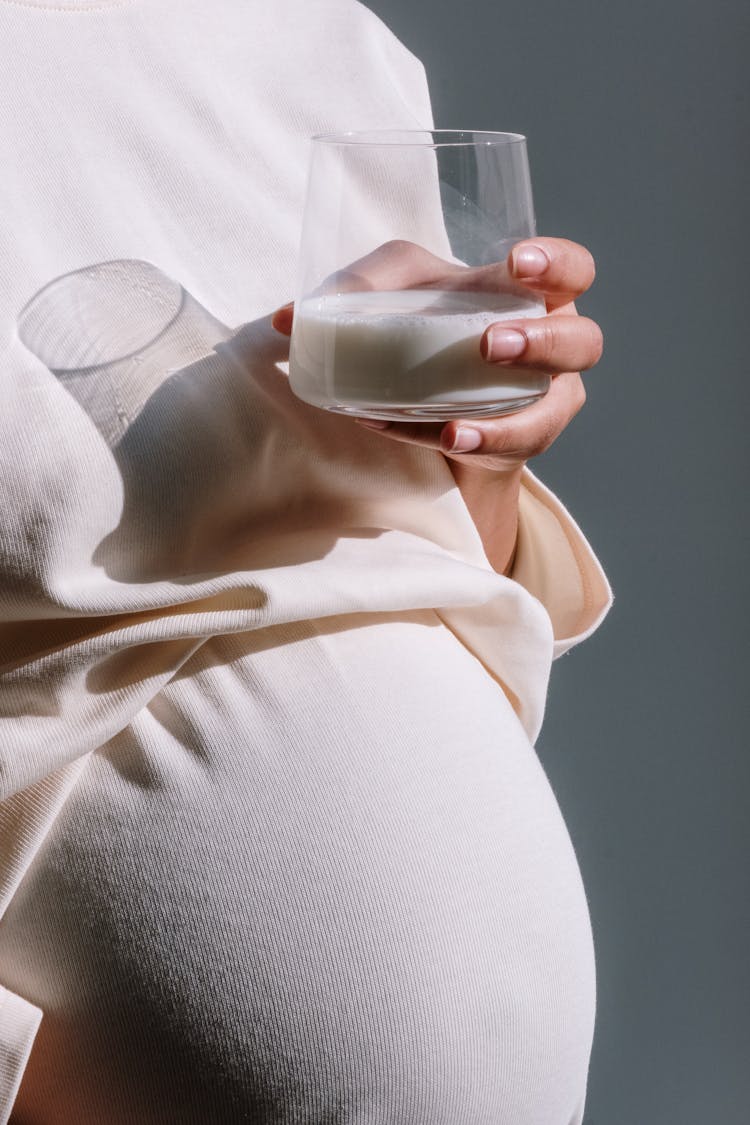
(321,879)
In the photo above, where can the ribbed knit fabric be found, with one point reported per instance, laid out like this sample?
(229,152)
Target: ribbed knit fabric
(276,846)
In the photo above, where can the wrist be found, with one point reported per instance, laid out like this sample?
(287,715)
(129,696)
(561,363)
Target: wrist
(491,497)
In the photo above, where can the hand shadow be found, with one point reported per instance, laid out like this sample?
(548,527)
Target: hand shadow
(220,463)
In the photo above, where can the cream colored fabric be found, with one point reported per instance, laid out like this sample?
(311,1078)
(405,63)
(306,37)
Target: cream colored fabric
(554,563)
(147,517)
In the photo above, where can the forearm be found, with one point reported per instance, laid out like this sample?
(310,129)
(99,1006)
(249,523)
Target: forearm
(492,501)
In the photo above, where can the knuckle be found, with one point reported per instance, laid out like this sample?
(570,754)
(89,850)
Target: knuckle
(545,437)
(577,266)
(395,246)
(499,440)
(545,340)
(523,441)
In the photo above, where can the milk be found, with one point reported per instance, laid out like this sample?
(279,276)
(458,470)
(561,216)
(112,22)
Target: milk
(412,352)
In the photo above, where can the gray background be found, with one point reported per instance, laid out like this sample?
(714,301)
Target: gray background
(637,118)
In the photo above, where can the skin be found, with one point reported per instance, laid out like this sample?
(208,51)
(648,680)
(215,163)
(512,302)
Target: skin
(487,455)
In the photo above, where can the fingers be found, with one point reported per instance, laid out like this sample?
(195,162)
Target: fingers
(397,264)
(282,319)
(553,343)
(556,267)
(519,436)
(394,265)
(496,443)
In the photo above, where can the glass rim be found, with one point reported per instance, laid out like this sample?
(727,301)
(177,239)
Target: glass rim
(380,138)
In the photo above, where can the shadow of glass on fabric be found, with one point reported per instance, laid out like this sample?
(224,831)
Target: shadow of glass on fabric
(186,423)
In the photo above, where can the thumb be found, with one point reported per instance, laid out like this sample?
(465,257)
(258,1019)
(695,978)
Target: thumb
(282,319)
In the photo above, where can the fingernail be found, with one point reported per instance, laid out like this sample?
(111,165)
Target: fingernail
(505,343)
(465,440)
(528,261)
(373,423)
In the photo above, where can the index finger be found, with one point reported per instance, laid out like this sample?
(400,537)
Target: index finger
(559,269)
(556,268)
(397,264)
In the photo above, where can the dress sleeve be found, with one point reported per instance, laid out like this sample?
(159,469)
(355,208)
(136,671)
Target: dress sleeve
(555,563)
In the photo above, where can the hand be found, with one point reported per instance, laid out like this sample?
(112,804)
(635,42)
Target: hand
(487,455)
(562,344)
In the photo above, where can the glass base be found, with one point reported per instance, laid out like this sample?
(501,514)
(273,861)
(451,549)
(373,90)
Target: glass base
(431,412)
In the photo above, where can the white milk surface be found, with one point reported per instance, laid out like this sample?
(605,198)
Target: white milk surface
(389,353)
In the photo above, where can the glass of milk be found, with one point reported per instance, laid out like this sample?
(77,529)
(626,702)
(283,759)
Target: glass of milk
(402,268)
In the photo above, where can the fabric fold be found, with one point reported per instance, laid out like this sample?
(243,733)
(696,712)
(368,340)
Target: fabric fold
(241,507)
(556,564)
(19,1022)
(176,540)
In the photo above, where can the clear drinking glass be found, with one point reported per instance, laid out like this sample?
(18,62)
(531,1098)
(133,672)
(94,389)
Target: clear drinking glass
(402,267)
